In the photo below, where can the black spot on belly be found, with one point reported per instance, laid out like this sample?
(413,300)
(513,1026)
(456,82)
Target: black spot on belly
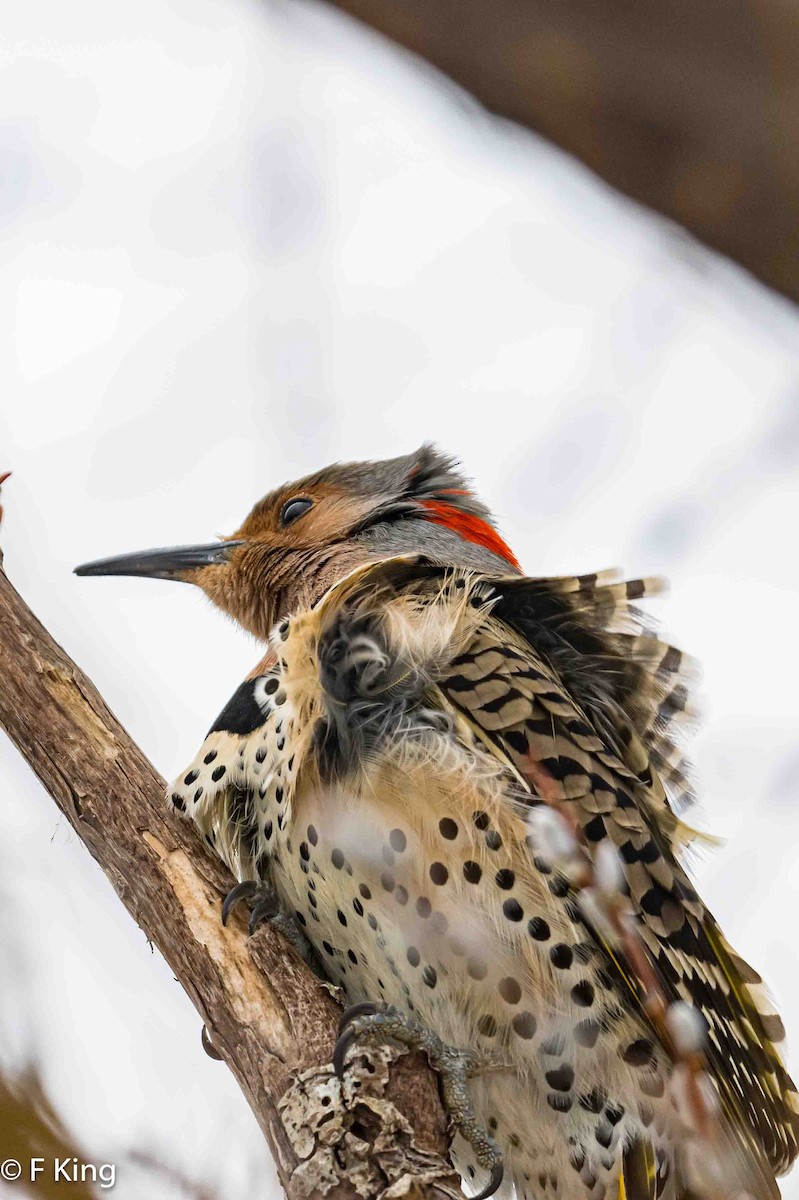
(472,872)
(604,1134)
(398,840)
(561,956)
(561,1078)
(448,828)
(593,1101)
(538,929)
(639,1053)
(583,993)
(524,1024)
(439,874)
(509,990)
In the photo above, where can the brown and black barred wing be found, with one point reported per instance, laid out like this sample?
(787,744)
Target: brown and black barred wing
(582,717)
(636,687)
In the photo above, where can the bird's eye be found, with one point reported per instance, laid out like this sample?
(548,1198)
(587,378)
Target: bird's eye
(293,509)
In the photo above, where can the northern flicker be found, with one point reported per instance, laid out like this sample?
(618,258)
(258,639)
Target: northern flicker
(464,785)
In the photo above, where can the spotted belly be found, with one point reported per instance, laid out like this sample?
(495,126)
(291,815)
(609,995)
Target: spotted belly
(419,886)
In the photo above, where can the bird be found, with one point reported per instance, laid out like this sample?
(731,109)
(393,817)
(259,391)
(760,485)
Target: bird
(463,791)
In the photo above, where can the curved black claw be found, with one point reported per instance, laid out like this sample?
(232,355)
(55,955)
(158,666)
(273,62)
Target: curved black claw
(346,1039)
(266,908)
(208,1046)
(348,1033)
(494,1181)
(367,1008)
(242,891)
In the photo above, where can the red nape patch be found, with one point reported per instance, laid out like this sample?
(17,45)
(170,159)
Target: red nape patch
(471,528)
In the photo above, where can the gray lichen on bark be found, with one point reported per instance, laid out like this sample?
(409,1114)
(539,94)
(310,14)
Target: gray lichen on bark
(350,1130)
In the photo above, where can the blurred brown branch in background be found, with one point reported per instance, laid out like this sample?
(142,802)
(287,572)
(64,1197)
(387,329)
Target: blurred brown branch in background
(271,1020)
(689,108)
(30,1129)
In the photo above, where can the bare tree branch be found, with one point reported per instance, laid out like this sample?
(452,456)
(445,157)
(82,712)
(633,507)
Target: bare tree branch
(690,108)
(268,1016)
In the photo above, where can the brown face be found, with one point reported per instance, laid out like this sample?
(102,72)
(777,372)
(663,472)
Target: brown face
(299,540)
(291,547)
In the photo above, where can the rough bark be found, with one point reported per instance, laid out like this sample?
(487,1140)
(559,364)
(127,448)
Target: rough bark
(268,1016)
(690,108)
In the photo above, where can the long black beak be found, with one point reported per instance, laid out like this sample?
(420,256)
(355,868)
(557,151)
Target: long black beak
(169,563)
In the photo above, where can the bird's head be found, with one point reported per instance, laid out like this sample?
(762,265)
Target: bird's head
(303,537)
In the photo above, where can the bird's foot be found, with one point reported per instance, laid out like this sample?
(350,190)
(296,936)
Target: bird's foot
(380,1023)
(265,906)
(263,898)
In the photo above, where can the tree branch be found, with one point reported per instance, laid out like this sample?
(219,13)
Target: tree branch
(690,108)
(269,1017)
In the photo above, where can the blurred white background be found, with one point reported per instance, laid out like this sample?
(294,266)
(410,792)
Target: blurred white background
(240,241)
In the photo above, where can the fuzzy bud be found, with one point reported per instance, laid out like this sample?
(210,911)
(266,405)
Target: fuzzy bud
(595,910)
(686,1027)
(553,840)
(608,869)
